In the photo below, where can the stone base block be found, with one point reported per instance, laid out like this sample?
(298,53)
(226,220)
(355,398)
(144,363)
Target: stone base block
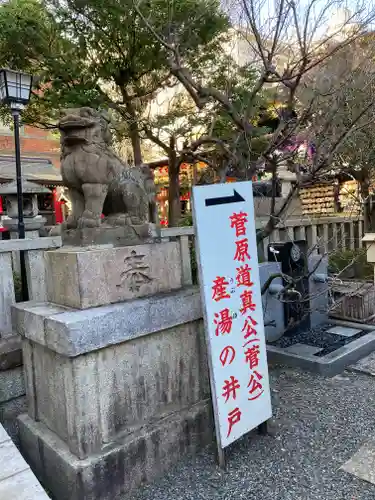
(118,236)
(91,277)
(121,466)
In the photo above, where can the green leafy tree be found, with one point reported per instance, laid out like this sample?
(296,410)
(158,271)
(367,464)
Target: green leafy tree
(100,53)
(31,41)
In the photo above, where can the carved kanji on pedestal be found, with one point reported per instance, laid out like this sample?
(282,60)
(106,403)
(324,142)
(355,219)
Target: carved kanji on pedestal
(136,272)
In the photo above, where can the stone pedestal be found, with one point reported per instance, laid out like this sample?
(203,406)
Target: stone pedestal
(90,277)
(116,235)
(116,372)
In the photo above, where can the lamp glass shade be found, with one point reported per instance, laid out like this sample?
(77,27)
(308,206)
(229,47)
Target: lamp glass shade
(3,87)
(15,87)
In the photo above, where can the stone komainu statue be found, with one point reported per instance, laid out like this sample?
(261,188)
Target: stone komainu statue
(98,181)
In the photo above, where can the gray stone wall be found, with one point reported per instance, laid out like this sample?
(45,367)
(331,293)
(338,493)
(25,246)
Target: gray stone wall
(12,385)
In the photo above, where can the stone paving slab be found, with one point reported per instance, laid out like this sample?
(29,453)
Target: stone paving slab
(303,349)
(17,482)
(11,462)
(344,331)
(3,435)
(365,365)
(362,464)
(22,486)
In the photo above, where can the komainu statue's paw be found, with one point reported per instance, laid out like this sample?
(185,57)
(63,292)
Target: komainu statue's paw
(117,220)
(89,219)
(137,221)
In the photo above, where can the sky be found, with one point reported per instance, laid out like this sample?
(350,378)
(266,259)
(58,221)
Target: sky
(323,15)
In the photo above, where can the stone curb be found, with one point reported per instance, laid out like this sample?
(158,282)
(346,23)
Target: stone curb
(328,365)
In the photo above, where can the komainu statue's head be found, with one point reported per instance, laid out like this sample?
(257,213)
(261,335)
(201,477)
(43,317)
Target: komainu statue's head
(84,126)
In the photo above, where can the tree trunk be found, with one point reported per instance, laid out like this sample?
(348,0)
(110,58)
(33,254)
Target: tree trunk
(174,206)
(221,169)
(368,206)
(222,174)
(136,143)
(133,128)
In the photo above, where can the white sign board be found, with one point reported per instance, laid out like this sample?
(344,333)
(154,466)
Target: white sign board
(228,263)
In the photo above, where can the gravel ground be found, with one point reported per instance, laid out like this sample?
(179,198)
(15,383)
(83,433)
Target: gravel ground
(318,425)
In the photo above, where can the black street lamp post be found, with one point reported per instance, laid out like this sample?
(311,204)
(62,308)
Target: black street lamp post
(15,88)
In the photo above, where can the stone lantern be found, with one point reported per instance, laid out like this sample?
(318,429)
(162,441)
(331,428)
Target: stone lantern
(286,179)
(32,220)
